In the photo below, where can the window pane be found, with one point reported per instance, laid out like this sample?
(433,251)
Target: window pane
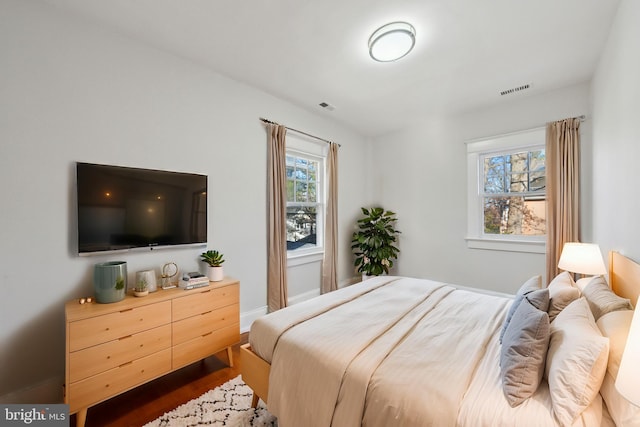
(290,192)
(494,174)
(518,182)
(517,162)
(290,174)
(538,181)
(537,159)
(301,226)
(301,191)
(514,215)
(312,192)
(301,173)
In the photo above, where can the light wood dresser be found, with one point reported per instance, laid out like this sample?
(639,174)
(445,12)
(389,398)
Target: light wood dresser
(112,348)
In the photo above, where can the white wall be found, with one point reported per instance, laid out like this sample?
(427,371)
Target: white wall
(423,178)
(616,136)
(71,91)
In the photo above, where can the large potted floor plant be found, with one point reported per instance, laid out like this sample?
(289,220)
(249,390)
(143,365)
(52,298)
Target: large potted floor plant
(373,243)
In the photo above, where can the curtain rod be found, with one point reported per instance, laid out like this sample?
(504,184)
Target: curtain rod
(263,120)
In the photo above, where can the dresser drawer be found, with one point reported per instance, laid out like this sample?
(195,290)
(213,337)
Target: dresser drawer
(205,345)
(94,360)
(97,330)
(95,389)
(204,301)
(195,326)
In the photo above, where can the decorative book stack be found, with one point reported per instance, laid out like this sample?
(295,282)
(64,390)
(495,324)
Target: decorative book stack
(193,280)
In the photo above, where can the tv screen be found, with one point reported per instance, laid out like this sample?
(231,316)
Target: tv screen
(122,208)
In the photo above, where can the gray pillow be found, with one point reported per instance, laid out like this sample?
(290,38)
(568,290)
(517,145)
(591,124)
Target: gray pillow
(533,284)
(523,352)
(602,299)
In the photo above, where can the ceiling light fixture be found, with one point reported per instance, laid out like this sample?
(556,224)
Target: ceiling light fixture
(392,41)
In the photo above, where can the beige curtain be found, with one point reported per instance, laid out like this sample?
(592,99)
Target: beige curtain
(277,232)
(329,263)
(563,189)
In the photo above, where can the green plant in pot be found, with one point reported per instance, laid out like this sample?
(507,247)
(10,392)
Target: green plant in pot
(141,288)
(373,243)
(214,259)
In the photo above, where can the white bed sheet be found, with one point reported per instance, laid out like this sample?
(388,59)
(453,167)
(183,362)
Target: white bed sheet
(436,363)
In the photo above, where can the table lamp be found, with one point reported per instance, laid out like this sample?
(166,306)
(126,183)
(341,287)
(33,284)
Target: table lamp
(582,258)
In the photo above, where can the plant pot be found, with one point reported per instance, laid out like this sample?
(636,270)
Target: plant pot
(141,293)
(110,281)
(215,274)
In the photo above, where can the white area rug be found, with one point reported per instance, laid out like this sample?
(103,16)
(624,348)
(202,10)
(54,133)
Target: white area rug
(227,405)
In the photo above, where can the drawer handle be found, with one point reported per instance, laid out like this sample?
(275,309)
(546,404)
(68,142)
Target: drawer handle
(206,312)
(125,364)
(204,292)
(124,338)
(208,333)
(125,310)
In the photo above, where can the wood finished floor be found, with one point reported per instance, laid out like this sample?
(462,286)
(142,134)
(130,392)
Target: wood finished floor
(149,401)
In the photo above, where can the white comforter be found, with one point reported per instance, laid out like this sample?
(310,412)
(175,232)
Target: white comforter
(393,352)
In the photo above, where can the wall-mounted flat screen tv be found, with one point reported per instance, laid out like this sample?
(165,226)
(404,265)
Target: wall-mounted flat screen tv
(124,208)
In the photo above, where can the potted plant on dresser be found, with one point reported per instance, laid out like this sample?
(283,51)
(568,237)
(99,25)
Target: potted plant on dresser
(214,259)
(373,243)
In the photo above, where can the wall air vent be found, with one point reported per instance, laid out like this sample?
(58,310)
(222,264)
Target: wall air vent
(514,90)
(327,106)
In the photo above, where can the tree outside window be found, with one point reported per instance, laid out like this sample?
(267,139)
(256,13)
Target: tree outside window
(513,193)
(304,207)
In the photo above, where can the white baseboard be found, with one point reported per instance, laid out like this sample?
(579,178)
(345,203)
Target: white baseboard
(303,297)
(247,318)
(47,391)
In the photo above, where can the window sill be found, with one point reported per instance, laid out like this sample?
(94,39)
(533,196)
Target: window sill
(530,246)
(294,259)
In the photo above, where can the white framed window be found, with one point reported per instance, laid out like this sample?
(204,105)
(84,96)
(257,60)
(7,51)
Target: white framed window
(305,176)
(507,192)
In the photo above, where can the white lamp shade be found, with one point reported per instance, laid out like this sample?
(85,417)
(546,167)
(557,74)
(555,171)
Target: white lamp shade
(582,258)
(628,379)
(392,41)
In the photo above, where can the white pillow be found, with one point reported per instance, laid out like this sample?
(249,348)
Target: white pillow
(602,299)
(562,292)
(623,412)
(615,326)
(576,361)
(583,282)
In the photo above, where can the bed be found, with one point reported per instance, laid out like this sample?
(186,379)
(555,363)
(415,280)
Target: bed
(397,351)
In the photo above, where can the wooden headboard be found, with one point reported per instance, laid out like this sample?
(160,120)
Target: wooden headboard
(624,276)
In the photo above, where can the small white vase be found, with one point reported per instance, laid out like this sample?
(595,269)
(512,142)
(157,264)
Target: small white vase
(215,274)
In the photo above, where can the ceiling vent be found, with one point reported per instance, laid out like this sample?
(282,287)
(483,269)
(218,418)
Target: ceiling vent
(514,90)
(326,106)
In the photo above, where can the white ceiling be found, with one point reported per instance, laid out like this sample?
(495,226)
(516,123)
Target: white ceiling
(309,52)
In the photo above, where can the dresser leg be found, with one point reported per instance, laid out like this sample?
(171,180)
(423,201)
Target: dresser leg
(254,400)
(230,356)
(81,417)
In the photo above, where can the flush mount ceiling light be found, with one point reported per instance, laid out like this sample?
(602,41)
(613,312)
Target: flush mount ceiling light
(392,41)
